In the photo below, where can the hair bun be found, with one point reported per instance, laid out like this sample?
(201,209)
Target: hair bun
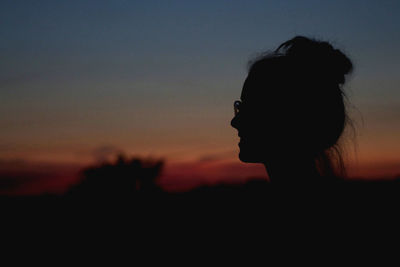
(318,57)
(342,64)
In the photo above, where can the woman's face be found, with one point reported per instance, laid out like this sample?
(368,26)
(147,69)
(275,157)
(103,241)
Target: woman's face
(258,121)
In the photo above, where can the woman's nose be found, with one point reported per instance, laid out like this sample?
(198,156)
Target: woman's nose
(235,122)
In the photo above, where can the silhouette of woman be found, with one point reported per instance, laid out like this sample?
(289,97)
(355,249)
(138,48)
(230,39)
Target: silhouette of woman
(292,112)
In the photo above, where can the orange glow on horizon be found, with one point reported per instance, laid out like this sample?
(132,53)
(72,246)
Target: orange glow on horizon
(40,177)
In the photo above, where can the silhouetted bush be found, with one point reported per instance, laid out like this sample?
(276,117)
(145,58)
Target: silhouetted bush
(122,178)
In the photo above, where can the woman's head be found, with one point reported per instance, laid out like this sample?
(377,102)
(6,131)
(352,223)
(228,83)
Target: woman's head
(292,102)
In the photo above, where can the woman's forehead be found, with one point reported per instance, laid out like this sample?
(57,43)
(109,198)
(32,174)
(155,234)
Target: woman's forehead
(255,87)
(267,83)
(251,82)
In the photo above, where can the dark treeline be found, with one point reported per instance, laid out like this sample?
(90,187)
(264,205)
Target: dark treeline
(132,180)
(123,198)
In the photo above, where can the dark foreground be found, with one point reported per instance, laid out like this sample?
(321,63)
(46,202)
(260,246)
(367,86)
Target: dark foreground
(128,189)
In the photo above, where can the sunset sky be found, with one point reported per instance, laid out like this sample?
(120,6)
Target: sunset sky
(80,80)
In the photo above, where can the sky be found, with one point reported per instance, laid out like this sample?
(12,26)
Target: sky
(80,80)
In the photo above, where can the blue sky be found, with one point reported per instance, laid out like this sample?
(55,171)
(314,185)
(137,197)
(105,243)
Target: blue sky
(159,77)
